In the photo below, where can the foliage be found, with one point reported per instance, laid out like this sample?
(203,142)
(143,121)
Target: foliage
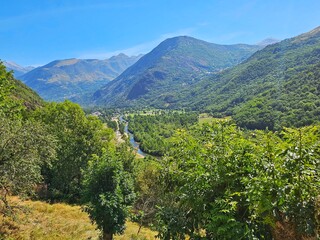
(108,191)
(14,95)
(148,191)
(112,124)
(286,182)
(8,106)
(152,131)
(25,148)
(275,87)
(176,65)
(79,137)
(220,182)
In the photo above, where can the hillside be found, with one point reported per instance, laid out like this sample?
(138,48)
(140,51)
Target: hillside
(175,64)
(29,97)
(40,220)
(277,86)
(64,79)
(20,91)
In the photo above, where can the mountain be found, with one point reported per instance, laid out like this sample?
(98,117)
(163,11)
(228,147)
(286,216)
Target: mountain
(268,41)
(277,86)
(17,69)
(174,65)
(65,79)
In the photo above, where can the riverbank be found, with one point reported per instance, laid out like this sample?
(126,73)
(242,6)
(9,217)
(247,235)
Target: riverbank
(134,144)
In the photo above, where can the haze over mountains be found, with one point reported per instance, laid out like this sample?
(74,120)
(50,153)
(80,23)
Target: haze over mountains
(174,65)
(64,79)
(17,69)
(268,41)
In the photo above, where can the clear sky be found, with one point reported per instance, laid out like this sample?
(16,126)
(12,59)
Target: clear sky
(35,32)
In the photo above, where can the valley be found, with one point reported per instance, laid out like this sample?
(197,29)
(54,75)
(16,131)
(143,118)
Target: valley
(192,140)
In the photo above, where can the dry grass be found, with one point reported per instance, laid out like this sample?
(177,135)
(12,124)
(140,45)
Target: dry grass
(132,230)
(206,118)
(39,220)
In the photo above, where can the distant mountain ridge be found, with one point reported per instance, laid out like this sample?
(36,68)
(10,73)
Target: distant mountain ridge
(174,64)
(268,41)
(68,78)
(277,86)
(17,69)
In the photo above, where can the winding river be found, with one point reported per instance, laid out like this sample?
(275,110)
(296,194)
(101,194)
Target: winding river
(131,138)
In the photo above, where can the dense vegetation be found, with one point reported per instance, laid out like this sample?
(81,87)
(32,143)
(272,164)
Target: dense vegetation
(219,182)
(47,151)
(25,146)
(277,86)
(209,181)
(152,131)
(172,66)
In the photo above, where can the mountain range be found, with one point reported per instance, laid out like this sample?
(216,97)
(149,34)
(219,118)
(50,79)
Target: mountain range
(269,85)
(268,41)
(17,69)
(174,65)
(277,86)
(65,79)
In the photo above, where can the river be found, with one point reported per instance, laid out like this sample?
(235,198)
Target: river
(131,139)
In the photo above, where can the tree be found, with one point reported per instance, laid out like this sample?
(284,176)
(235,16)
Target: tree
(147,189)
(221,182)
(107,194)
(25,148)
(9,106)
(79,137)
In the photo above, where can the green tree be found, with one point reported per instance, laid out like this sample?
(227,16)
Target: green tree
(107,194)
(219,182)
(79,137)
(147,189)
(25,147)
(9,106)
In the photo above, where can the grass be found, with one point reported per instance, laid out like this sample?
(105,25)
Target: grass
(39,220)
(206,118)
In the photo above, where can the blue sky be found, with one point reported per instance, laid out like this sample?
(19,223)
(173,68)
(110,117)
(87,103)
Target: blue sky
(35,32)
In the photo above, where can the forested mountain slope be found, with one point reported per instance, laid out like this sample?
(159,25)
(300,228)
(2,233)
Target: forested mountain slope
(18,91)
(175,64)
(277,86)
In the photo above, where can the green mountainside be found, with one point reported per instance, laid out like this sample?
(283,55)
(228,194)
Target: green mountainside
(29,97)
(18,91)
(175,65)
(65,79)
(277,86)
